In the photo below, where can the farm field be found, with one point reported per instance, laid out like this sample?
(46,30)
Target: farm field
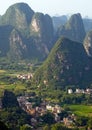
(9,81)
(81,110)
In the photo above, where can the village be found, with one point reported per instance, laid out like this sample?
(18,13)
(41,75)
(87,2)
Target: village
(42,109)
(80,91)
(25,76)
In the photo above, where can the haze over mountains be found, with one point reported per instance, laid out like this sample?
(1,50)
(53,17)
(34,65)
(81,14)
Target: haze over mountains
(26,34)
(29,35)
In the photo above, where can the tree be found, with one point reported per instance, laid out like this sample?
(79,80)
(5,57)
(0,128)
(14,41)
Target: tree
(81,121)
(48,118)
(89,123)
(63,114)
(59,126)
(3,126)
(46,127)
(26,127)
(9,99)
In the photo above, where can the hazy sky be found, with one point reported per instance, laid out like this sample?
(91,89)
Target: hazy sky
(53,7)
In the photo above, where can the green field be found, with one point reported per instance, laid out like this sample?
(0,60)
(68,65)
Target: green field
(2,71)
(81,110)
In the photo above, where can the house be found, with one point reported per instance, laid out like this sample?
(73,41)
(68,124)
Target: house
(25,76)
(31,111)
(56,109)
(57,118)
(28,105)
(70,91)
(67,121)
(33,122)
(79,90)
(49,107)
(88,91)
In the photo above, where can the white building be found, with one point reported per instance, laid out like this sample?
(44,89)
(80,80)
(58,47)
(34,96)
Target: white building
(70,91)
(49,107)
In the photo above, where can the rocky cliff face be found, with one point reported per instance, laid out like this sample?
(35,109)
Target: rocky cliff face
(17,46)
(41,27)
(73,29)
(41,31)
(88,43)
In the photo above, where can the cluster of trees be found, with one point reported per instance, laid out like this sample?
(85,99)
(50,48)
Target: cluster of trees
(76,99)
(3,126)
(12,114)
(57,126)
(63,98)
(14,117)
(82,123)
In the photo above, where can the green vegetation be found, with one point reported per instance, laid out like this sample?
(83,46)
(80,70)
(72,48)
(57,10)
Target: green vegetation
(81,110)
(3,126)
(64,66)
(11,113)
(26,38)
(26,127)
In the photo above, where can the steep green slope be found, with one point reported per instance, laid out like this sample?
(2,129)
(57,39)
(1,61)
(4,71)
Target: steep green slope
(67,64)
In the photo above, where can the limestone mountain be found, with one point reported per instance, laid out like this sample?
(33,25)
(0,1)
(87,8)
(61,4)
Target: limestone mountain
(31,36)
(18,15)
(41,27)
(67,64)
(73,29)
(88,43)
